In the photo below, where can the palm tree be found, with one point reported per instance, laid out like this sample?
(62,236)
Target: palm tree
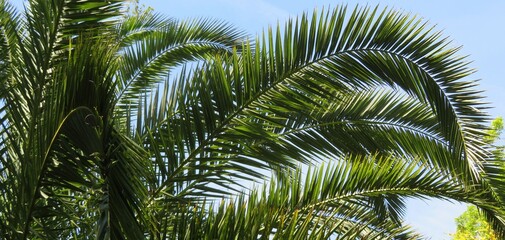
(98,141)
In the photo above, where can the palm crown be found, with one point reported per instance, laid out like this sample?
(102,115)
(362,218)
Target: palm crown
(97,140)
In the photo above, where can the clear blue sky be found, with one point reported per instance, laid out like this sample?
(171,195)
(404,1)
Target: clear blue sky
(478,27)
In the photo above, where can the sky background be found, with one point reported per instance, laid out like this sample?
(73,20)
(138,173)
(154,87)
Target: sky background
(476,26)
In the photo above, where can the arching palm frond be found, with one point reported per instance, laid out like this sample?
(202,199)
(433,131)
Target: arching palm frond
(153,45)
(255,101)
(357,197)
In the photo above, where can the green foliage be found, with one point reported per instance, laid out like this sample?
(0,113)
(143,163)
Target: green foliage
(495,130)
(471,225)
(97,142)
(493,138)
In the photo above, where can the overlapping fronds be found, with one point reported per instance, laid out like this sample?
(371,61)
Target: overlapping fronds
(65,165)
(96,138)
(289,96)
(326,86)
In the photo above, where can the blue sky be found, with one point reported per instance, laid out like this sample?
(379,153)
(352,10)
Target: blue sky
(478,28)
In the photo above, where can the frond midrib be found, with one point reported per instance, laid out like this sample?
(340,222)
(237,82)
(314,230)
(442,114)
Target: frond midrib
(369,122)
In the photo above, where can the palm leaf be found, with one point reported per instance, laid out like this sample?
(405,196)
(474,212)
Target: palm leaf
(273,103)
(152,46)
(354,197)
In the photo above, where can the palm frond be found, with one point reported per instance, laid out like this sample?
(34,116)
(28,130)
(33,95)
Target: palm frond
(366,83)
(153,46)
(354,197)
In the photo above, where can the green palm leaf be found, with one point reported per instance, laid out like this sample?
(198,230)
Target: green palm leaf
(152,46)
(357,197)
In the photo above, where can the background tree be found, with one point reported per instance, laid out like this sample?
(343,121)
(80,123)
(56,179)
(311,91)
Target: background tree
(98,142)
(493,138)
(472,225)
